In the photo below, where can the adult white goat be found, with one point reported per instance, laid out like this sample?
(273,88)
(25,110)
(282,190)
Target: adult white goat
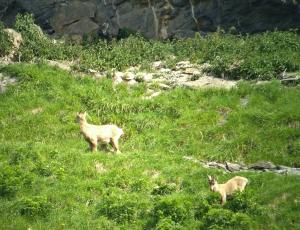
(99,133)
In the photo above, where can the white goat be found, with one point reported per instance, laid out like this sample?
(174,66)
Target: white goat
(99,133)
(236,183)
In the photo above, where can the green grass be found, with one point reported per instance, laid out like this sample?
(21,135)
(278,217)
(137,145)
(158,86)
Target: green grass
(48,178)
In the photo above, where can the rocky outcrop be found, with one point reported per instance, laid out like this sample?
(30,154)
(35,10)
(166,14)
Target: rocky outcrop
(155,18)
(16,40)
(262,166)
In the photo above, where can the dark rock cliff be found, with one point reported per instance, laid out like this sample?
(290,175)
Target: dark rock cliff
(155,18)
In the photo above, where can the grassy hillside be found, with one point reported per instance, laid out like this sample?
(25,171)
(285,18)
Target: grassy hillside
(49,180)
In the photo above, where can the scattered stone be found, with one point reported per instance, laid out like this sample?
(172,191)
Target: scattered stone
(117,79)
(118,74)
(183,65)
(6,81)
(157,64)
(36,110)
(147,77)
(165,70)
(291,81)
(92,71)
(65,65)
(210,82)
(164,86)
(131,82)
(128,76)
(191,71)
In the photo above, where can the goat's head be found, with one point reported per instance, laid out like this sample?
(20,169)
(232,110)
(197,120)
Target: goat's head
(212,183)
(81,116)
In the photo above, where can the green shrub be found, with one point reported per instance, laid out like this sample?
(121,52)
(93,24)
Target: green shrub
(241,221)
(217,217)
(10,180)
(121,208)
(5,41)
(37,45)
(201,208)
(174,207)
(166,224)
(33,206)
(244,202)
(164,189)
(226,219)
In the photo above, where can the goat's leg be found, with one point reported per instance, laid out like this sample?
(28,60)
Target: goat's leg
(223,198)
(93,145)
(115,145)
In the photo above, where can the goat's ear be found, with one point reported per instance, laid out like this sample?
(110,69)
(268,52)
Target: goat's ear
(84,113)
(209,177)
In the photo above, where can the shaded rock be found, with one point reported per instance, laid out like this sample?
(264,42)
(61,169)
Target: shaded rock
(131,82)
(233,167)
(164,86)
(72,12)
(158,19)
(263,165)
(216,165)
(16,39)
(291,81)
(84,26)
(128,76)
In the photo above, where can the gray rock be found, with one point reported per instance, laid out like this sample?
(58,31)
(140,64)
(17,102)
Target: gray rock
(159,19)
(262,165)
(232,167)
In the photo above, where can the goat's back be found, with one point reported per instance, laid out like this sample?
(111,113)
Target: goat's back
(235,183)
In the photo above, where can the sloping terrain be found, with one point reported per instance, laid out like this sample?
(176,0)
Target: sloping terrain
(49,179)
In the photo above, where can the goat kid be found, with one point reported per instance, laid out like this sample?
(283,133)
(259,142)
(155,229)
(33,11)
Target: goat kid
(99,133)
(236,183)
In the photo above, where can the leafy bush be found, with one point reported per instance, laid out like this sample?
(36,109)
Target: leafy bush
(166,224)
(37,45)
(244,202)
(226,219)
(33,206)
(5,41)
(120,208)
(174,207)
(164,189)
(10,180)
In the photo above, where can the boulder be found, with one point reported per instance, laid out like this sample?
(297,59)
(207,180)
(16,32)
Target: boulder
(233,167)
(262,165)
(16,39)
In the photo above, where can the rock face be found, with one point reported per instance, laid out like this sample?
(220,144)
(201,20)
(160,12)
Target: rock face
(155,18)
